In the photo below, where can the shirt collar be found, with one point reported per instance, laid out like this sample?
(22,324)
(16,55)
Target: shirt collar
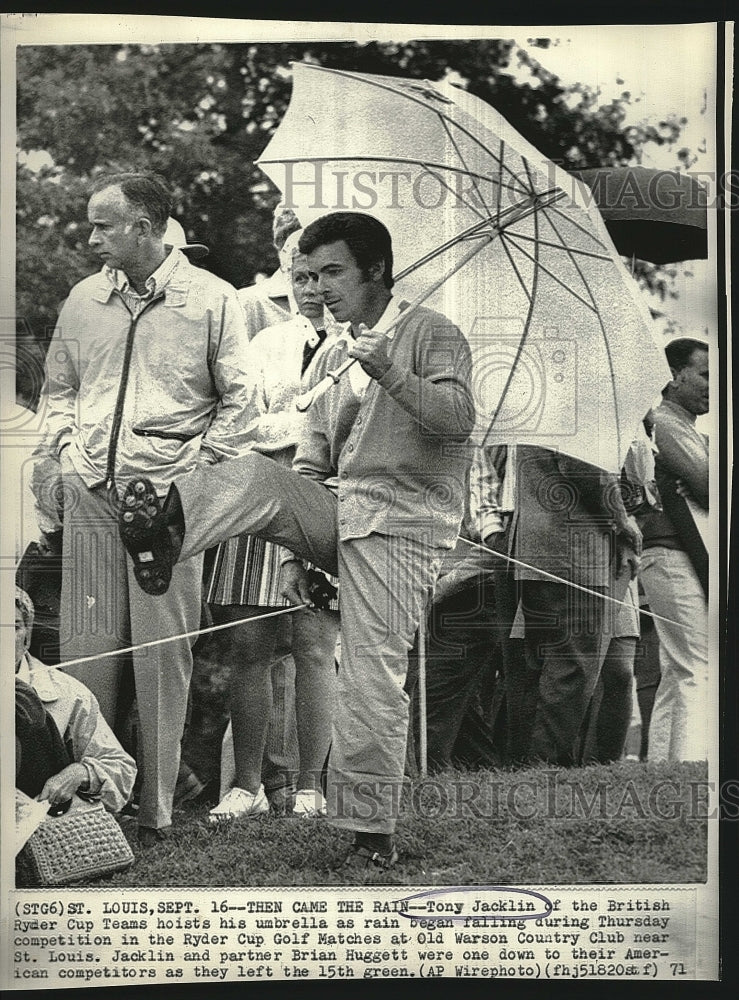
(678,410)
(309,331)
(392,311)
(156,281)
(23,673)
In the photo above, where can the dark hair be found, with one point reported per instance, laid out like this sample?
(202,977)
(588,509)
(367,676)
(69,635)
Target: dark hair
(679,352)
(367,239)
(145,191)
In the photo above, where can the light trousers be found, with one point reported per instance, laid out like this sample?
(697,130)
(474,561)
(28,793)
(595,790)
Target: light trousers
(678,728)
(104,609)
(384,584)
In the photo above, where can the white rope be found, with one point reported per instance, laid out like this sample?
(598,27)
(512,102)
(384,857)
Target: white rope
(183,635)
(299,607)
(576,586)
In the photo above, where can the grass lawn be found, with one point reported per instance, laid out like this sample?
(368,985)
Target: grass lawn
(624,823)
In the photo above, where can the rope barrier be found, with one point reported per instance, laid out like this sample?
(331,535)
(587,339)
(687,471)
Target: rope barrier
(575,586)
(299,607)
(183,635)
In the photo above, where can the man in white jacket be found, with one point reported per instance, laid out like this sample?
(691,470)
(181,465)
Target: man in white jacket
(101,768)
(145,371)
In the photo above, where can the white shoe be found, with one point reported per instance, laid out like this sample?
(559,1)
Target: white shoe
(309,803)
(239,803)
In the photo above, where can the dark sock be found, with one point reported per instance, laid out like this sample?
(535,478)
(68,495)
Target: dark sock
(175,518)
(173,508)
(380,842)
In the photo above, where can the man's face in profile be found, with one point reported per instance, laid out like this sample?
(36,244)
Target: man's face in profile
(690,384)
(349,292)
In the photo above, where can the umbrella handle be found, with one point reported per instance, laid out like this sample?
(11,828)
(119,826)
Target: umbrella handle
(306,399)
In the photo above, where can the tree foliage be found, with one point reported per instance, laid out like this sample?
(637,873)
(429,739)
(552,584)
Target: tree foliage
(200,114)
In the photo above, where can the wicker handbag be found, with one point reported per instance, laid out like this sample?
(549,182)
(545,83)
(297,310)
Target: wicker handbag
(83,844)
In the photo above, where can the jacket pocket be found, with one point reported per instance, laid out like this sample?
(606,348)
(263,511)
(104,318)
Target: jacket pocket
(165,435)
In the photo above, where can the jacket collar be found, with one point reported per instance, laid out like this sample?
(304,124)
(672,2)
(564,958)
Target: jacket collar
(40,677)
(176,286)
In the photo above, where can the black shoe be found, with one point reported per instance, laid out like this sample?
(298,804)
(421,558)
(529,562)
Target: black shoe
(150,837)
(131,809)
(188,788)
(368,865)
(144,531)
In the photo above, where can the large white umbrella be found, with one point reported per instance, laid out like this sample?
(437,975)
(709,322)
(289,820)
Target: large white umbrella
(493,235)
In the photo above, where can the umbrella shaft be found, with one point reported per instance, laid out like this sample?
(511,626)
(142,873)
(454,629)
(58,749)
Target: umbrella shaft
(487,230)
(493,226)
(306,399)
(422,709)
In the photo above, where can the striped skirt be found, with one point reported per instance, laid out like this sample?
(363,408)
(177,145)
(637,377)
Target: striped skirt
(246,570)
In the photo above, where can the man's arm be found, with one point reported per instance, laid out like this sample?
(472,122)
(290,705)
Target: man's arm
(59,401)
(45,485)
(684,455)
(61,387)
(112,771)
(482,523)
(601,493)
(440,398)
(313,453)
(228,433)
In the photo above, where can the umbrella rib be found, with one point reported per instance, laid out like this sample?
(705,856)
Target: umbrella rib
(472,232)
(500,186)
(561,246)
(516,270)
(464,163)
(477,231)
(577,225)
(605,343)
(524,335)
(389,159)
(538,263)
(501,163)
(362,78)
(472,208)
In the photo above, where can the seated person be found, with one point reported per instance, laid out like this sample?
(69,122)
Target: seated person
(63,723)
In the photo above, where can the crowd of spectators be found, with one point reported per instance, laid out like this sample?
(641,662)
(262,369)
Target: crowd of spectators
(176,477)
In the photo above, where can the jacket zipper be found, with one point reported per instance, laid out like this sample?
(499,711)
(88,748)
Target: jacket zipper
(118,412)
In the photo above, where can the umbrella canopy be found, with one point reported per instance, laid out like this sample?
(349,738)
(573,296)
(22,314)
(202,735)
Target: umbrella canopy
(563,345)
(656,215)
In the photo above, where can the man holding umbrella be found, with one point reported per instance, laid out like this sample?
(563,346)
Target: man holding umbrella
(375,495)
